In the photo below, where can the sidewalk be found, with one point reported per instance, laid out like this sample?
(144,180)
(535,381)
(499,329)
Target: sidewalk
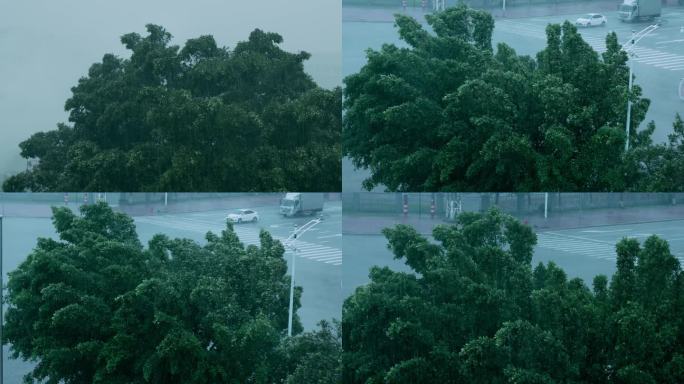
(372,224)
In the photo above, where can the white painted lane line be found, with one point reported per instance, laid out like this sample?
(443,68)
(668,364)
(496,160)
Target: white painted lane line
(573,249)
(670,41)
(323,258)
(643,58)
(580,248)
(315,256)
(307,254)
(671,65)
(329,236)
(312,249)
(662,62)
(330,261)
(560,235)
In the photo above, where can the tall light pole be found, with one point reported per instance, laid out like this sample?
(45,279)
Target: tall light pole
(629,47)
(289,243)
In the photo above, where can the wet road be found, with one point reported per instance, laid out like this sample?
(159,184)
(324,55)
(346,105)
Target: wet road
(658,67)
(581,252)
(318,265)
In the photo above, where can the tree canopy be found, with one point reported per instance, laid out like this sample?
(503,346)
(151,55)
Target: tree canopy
(192,118)
(449,112)
(96,306)
(474,311)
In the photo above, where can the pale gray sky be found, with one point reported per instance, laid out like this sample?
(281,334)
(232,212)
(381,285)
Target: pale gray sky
(46,45)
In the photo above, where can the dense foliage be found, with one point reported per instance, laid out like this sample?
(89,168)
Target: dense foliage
(196,118)
(474,311)
(98,307)
(449,112)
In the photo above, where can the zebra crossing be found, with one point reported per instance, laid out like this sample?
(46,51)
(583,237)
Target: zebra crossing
(644,55)
(578,245)
(248,234)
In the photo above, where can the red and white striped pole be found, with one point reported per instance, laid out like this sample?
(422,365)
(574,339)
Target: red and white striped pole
(85,198)
(432,207)
(66,199)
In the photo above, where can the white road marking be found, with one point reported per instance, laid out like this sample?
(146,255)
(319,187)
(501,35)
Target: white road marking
(670,41)
(648,56)
(599,249)
(248,234)
(329,236)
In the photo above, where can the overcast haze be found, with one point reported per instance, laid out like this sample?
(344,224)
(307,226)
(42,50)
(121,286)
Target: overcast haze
(47,46)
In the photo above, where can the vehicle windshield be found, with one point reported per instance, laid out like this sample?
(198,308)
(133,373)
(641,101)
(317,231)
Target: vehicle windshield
(626,8)
(288,203)
(237,211)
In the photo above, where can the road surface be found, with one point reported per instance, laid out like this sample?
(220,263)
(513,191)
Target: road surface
(658,66)
(318,268)
(581,252)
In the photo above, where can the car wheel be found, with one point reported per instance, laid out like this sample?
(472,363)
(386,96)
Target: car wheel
(255,219)
(603,23)
(239,221)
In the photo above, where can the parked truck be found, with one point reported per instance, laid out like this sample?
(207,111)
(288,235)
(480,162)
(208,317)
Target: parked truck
(295,204)
(635,10)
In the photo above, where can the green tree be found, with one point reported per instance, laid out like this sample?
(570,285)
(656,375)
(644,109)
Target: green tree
(96,306)
(193,118)
(449,112)
(472,310)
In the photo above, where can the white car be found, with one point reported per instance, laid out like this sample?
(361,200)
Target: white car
(243,216)
(591,20)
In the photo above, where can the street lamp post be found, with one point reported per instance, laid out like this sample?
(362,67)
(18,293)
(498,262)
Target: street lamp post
(629,47)
(292,284)
(289,243)
(629,100)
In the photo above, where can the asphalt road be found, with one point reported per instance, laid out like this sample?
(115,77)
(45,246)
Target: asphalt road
(583,252)
(658,66)
(318,265)
(587,252)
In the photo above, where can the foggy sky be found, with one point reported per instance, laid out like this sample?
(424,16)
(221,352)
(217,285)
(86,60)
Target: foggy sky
(46,46)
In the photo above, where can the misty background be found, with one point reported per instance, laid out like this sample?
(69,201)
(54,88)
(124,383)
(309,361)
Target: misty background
(47,46)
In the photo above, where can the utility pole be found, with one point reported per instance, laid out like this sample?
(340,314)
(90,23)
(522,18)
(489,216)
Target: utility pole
(546,205)
(630,47)
(629,101)
(289,243)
